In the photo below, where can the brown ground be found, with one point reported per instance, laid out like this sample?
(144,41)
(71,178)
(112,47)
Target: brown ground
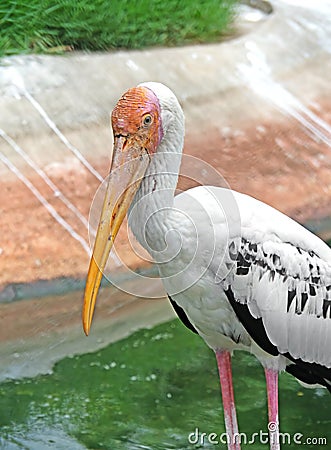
(275,162)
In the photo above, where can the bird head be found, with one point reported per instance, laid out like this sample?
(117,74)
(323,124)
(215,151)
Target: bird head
(136,122)
(138,128)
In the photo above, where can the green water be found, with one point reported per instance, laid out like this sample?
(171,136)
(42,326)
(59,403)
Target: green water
(150,391)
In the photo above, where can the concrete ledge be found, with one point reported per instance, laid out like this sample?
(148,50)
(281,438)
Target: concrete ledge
(257,108)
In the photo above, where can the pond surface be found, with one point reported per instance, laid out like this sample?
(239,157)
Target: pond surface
(150,391)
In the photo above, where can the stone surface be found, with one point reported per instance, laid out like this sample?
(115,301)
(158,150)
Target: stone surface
(257,110)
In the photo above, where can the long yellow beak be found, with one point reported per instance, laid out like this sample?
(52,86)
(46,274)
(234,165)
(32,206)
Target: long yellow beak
(128,167)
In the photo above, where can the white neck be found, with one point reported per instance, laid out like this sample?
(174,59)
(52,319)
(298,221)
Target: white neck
(151,210)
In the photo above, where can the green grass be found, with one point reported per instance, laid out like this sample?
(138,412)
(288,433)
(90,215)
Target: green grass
(45,26)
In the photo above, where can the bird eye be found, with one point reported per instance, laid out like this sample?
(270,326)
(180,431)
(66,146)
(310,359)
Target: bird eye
(147,120)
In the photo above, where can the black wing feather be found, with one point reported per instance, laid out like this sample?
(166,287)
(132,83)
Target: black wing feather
(182,315)
(244,259)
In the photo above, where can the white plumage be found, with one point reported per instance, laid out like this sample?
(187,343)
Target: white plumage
(237,271)
(202,233)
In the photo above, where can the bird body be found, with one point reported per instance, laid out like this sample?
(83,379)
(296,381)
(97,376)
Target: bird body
(261,255)
(208,240)
(238,272)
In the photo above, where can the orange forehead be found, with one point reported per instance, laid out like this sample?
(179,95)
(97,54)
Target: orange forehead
(131,107)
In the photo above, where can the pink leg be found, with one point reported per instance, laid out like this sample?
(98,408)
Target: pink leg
(271,376)
(230,417)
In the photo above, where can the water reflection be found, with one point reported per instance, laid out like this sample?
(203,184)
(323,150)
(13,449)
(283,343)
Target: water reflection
(149,391)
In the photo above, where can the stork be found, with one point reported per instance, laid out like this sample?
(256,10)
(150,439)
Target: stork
(238,272)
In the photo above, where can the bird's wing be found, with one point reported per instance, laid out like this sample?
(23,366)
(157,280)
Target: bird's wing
(278,281)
